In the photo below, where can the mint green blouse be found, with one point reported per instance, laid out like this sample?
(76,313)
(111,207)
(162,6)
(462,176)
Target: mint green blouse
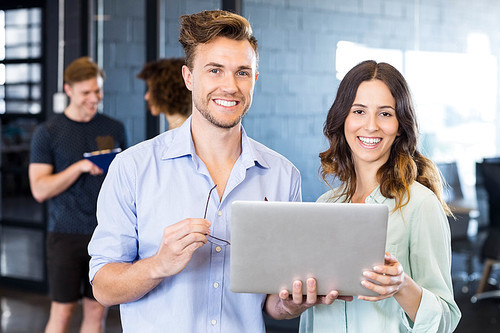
(418,235)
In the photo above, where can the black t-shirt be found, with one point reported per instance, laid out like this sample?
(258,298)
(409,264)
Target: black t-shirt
(61,142)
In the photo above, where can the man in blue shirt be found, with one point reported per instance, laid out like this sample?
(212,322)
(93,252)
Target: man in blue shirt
(164,210)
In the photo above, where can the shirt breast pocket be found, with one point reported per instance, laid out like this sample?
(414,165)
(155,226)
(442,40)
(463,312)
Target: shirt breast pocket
(393,249)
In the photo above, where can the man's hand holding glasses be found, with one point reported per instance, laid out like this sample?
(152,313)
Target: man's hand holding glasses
(178,244)
(180,241)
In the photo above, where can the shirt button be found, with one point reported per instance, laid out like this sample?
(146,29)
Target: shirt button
(219,213)
(218,249)
(216,285)
(213,322)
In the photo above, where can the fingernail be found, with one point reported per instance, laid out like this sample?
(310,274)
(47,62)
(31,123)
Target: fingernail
(296,284)
(377,269)
(364,283)
(310,283)
(367,274)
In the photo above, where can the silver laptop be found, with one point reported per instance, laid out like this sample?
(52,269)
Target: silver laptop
(275,243)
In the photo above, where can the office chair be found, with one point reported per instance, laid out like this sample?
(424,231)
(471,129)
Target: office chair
(453,195)
(461,242)
(488,177)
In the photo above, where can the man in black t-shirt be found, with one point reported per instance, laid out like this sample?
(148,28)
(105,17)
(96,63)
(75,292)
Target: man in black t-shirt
(59,173)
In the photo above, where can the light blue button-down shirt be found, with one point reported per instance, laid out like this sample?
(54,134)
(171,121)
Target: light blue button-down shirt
(160,182)
(418,235)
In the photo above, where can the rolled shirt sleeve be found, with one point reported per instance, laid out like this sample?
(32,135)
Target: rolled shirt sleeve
(115,240)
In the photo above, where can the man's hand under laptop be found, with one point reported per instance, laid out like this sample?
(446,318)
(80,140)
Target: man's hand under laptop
(288,306)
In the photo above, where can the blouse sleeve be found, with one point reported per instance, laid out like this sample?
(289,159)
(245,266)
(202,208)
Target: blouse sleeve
(430,262)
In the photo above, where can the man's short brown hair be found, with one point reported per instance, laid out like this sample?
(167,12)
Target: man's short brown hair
(82,69)
(203,27)
(167,90)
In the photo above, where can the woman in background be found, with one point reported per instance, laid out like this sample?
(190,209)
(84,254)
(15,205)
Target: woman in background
(372,131)
(167,93)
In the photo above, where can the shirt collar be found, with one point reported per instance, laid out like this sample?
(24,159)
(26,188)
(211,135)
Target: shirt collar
(181,144)
(250,155)
(376,196)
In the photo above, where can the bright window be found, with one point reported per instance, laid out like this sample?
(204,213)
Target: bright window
(454,95)
(20,61)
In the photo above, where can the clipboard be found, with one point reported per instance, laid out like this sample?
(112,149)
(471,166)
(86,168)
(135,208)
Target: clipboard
(102,158)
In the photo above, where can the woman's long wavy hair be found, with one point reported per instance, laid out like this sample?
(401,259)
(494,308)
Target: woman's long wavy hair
(405,164)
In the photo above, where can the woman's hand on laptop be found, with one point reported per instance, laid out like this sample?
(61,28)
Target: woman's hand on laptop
(389,280)
(287,306)
(386,280)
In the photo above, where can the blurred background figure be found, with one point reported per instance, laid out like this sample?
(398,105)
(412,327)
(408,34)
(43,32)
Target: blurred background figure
(59,174)
(167,92)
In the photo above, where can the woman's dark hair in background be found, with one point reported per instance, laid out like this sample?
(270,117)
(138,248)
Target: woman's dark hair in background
(166,86)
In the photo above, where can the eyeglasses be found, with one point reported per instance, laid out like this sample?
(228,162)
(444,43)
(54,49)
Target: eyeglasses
(210,238)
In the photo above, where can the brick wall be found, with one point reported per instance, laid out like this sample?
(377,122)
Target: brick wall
(298,39)
(123,56)
(174,9)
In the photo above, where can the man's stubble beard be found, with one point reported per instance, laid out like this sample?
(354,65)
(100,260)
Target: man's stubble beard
(209,116)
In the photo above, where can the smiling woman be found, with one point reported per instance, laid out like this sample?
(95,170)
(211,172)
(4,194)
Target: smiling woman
(448,105)
(372,126)
(372,131)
